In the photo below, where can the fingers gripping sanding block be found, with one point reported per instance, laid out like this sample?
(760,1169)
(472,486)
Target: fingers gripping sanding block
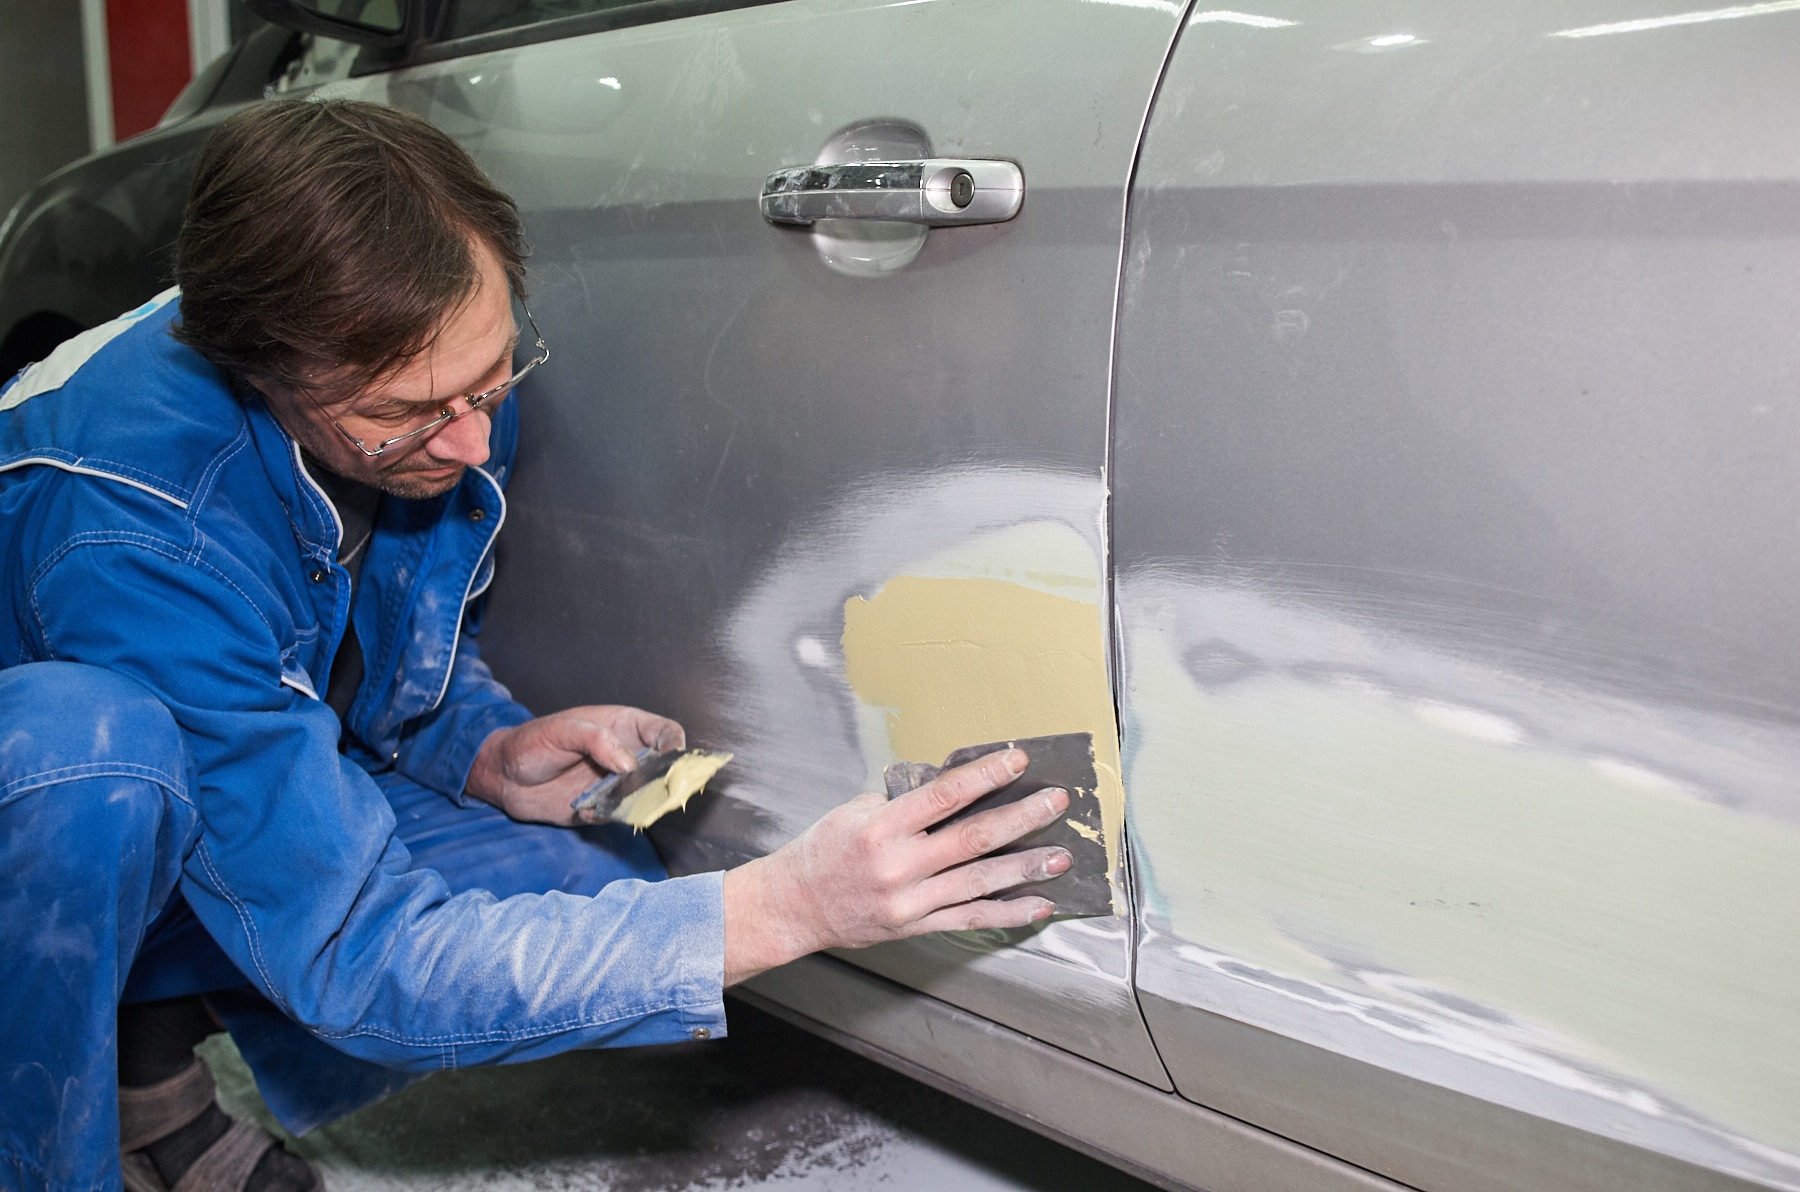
(1067,761)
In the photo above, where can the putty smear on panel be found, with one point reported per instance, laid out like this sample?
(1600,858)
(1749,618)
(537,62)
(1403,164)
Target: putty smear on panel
(804,739)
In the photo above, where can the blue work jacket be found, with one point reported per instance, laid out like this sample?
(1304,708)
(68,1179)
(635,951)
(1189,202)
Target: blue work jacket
(154,523)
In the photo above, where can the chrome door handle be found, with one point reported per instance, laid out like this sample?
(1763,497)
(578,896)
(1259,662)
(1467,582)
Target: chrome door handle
(936,192)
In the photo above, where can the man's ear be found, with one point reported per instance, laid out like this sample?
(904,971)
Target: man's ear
(247,387)
(283,395)
(283,400)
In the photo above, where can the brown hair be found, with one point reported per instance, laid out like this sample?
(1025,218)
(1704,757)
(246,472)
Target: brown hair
(332,237)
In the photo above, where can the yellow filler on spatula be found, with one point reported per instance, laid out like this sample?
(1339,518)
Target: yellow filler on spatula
(661,783)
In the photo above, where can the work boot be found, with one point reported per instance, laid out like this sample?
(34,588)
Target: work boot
(173,1137)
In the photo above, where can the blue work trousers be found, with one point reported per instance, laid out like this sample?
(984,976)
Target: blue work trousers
(97,816)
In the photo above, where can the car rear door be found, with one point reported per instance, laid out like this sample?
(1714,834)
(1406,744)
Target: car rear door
(833,497)
(1457,521)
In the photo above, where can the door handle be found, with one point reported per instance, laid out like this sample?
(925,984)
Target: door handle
(937,192)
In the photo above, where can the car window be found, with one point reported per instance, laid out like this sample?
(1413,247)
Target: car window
(486,16)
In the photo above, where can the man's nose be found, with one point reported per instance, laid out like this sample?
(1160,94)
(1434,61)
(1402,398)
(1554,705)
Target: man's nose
(465,439)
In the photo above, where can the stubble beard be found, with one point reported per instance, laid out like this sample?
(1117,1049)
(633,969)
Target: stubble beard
(400,478)
(405,483)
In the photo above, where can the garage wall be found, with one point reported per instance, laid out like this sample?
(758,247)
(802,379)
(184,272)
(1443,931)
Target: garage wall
(149,46)
(42,91)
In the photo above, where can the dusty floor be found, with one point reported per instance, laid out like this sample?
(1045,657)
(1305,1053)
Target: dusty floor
(770,1107)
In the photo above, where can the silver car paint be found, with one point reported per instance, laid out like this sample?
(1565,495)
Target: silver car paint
(1456,532)
(1458,702)
(735,437)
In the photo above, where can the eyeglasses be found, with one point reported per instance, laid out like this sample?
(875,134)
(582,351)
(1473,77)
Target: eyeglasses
(473,401)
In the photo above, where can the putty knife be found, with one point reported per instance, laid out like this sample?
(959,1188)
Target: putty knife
(599,801)
(1067,761)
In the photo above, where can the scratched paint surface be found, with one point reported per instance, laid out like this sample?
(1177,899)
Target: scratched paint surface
(1389,824)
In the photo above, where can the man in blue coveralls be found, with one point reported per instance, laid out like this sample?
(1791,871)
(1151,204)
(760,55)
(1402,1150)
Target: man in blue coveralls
(253,770)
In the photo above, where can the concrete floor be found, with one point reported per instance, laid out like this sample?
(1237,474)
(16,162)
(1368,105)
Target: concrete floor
(770,1107)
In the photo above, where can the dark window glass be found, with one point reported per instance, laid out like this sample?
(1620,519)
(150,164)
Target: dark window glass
(485,16)
(376,14)
(243,21)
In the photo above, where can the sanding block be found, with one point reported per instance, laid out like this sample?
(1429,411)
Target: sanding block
(1067,761)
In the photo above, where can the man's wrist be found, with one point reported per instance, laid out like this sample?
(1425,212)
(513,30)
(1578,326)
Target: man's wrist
(764,926)
(486,780)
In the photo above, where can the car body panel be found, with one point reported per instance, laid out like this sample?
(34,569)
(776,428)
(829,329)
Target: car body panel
(1154,1135)
(1455,527)
(740,435)
(98,236)
(1448,549)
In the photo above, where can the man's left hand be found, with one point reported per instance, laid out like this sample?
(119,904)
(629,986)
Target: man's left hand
(535,770)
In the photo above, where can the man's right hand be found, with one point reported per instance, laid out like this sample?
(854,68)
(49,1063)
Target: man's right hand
(870,871)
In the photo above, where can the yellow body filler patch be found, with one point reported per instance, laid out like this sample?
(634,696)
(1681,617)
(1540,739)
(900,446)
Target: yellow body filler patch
(957,662)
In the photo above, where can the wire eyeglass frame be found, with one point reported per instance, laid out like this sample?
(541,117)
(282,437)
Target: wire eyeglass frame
(474,400)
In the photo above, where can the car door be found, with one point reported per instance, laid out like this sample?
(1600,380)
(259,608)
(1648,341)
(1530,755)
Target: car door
(1456,534)
(834,497)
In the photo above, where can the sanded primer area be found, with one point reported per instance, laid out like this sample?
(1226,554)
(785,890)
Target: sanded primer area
(951,662)
(1555,910)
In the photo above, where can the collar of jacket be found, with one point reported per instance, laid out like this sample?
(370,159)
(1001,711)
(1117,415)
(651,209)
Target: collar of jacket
(426,561)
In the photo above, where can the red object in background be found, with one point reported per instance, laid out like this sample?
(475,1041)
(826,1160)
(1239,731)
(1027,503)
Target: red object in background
(149,61)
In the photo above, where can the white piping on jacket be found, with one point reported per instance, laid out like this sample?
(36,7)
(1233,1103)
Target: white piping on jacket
(337,521)
(490,578)
(300,466)
(78,470)
(67,358)
(468,591)
(302,688)
(55,370)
